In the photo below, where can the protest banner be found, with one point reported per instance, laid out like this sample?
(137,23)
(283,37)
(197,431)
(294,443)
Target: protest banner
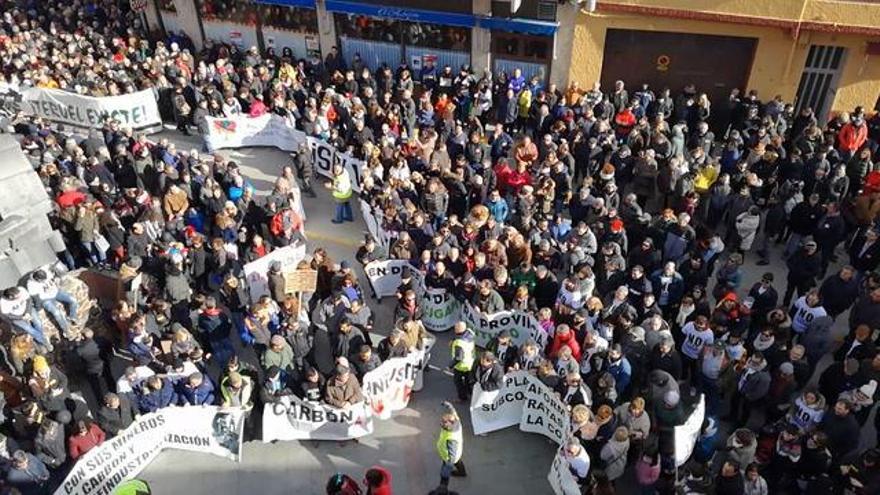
(256,271)
(389,387)
(521,325)
(499,409)
(543,412)
(326,156)
(209,429)
(373,218)
(561,480)
(441,310)
(385,275)
(687,434)
(241,131)
(294,419)
(135,110)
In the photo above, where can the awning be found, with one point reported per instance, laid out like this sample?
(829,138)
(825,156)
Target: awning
(524,26)
(306,4)
(402,14)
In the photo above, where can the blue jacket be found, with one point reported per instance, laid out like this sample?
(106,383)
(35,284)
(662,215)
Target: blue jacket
(498,209)
(622,372)
(164,397)
(201,395)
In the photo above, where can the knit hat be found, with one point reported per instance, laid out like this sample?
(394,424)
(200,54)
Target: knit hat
(786,368)
(869,389)
(40,364)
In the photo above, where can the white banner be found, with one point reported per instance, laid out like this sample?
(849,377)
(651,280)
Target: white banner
(441,310)
(294,419)
(256,272)
(325,156)
(521,325)
(499,409)
(389,387)
(206,429)
(373,218)
(385,275)
(687,434)
(136,110)
(543,412)
(561,480)
(241,131)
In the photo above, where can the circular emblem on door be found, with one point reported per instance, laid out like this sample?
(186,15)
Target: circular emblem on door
(663,63)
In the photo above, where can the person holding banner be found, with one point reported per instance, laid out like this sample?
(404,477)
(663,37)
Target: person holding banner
(341,189)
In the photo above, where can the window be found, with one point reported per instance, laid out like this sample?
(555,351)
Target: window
(240,11)
(290,18)
(437,36)
(522,47)
(368,28)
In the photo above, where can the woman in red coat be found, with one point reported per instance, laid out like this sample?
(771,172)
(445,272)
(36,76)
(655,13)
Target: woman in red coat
(378,481)
(564,336)
(87,437)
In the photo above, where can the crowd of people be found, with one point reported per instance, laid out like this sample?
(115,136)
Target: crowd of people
(621,219)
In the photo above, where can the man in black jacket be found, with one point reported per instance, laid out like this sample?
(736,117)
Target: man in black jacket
(489,374)
(116,414)
(803,268)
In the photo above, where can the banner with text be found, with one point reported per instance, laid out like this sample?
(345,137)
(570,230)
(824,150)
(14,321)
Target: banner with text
(385,275)
(544,412)
(209,429)
(499,409)
(242,131)
(389,387)
(326,156)
(521,325)
(256,272)
(136,110)
(295,419)
(441,310)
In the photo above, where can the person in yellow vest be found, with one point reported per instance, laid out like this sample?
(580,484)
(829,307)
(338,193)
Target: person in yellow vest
(450,448)
(463,356)
(340,188)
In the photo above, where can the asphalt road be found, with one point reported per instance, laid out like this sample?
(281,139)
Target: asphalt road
(508,461)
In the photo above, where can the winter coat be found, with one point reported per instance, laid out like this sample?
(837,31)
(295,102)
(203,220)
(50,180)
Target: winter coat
(613,455)
(843,433)
(199,396)
(158,399)
(337,394)
(78,444)
(214,326)
(756,385)
(746,227)
(113,421)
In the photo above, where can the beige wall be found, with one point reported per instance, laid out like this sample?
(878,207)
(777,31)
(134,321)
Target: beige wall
(778,62)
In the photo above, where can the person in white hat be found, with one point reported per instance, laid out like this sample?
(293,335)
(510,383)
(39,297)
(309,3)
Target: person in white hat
(862,400)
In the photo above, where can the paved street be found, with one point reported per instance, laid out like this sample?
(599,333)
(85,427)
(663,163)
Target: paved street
(502,462)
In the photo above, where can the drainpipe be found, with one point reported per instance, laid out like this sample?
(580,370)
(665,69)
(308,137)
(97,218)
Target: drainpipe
(796,34)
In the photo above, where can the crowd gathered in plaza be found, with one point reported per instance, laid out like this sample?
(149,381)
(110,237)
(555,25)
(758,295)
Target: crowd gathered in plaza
(620,217)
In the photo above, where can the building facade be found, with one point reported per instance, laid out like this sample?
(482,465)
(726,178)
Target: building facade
(483,34)
(821,53)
